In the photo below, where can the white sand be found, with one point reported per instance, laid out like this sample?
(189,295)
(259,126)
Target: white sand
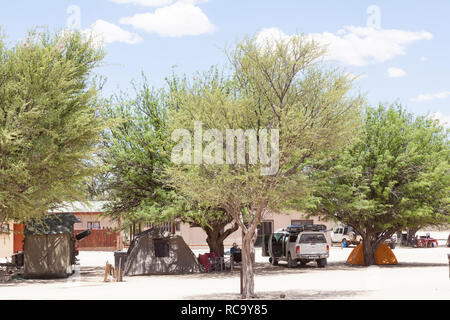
(421,274)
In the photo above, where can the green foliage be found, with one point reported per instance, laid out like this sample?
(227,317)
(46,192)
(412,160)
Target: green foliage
(49,124)
(136,157)
(275,85)
(396,177)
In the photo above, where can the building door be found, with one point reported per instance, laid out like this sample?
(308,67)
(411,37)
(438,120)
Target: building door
(18,237)
(264,228)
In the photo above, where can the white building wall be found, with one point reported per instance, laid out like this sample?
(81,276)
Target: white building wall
(7,243)
(196,237)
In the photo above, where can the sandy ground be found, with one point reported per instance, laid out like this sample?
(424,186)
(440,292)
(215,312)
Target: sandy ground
(421,274)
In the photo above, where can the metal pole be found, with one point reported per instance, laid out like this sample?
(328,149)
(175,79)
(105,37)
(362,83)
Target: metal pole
(242,279)
(242,264)
(120,268)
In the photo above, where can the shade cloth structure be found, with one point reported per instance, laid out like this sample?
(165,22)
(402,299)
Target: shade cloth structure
(49,247)
(384,255)
(159,252)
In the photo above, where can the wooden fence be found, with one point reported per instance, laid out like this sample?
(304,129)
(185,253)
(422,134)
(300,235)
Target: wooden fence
(104,238)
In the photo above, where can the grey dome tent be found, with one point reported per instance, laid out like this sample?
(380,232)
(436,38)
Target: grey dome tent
(157,252)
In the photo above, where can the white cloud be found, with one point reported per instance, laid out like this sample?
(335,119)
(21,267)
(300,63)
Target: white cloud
(360,46)
(180,19)
(353,76)
(396,72)
(105,32)
(193,2)
(270,34)
(423,58)
(443,119)
(144,3)
(429,97)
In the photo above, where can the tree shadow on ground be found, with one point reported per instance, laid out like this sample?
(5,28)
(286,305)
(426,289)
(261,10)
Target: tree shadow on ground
(96,274)
(266,269)
(288,295)
(86,275)
(415,265)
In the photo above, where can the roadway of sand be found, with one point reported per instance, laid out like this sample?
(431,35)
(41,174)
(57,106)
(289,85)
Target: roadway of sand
(421,274)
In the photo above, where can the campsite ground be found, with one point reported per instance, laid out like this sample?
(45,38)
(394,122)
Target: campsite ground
(421,274)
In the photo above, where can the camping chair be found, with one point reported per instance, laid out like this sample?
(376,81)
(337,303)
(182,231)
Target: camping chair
(235,259)
(204,261)
(217,262)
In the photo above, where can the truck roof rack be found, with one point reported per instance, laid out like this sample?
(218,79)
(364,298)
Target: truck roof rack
(306,227)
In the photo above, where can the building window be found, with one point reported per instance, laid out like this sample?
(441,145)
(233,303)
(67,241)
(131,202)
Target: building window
(93,225)
(4,228)
(161,248)
(177,226)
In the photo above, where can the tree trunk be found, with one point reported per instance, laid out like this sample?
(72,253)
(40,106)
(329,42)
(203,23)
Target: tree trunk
(411,233)
(248,281)
(368,251)
(399,238)
(214,242)
(216,238)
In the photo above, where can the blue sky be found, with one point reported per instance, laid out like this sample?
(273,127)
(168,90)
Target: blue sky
(400,48)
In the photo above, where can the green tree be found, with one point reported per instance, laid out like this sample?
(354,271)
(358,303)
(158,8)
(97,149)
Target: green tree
(49,124)
(396,177)
(280,87)
(136,156)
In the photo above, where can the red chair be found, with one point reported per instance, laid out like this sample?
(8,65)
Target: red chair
(204,261)
(213,255)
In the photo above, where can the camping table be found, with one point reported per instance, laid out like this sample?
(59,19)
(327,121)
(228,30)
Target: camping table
(218,263)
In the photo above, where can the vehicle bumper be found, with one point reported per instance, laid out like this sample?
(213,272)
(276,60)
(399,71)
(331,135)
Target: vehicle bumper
(312,256)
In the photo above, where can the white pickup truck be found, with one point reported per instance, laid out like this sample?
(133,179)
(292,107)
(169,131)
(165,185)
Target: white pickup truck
(296,244)
(345,235)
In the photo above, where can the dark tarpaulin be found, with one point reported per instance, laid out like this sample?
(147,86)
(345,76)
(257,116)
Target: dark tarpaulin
(52,224)
(156,252)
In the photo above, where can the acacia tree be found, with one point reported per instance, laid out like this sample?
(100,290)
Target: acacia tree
(49,124)
(396,177)
(136,156)
(281,88)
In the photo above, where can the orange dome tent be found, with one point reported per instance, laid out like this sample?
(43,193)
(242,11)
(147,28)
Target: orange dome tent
(384,255)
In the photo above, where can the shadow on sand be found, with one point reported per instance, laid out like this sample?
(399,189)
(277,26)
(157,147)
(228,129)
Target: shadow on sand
(288,295)
(96,274)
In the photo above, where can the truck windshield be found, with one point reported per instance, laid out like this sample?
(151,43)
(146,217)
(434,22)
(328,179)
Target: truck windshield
(313,238)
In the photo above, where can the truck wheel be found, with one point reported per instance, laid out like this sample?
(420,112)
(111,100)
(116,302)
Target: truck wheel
(273,261)
(303,262)
(291,262)
(321,263)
